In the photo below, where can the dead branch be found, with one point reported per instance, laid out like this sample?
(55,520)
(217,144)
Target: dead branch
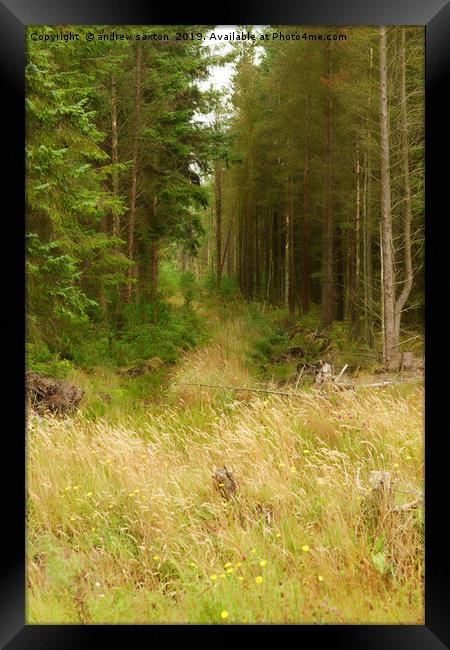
(408,506)
(243,388)
(299,377)
(341,373)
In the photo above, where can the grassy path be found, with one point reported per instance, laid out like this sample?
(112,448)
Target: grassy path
(124,525)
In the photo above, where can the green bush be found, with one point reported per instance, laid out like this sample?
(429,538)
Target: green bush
(227,290)
(38,358)
(148,330)
(167,280)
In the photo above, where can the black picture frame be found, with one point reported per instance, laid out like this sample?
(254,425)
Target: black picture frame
(15,15)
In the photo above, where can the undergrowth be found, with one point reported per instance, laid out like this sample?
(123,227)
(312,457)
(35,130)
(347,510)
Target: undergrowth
(124,525)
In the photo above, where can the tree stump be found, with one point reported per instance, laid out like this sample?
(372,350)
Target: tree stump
(224,482)
(379,501)
(407,362)
(324,374)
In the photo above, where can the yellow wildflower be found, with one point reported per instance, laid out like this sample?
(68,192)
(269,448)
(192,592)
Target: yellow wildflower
(227,565)
(156,558)
(320,578)
(258,580)
(263,563)
(241,578)
(293,469)
(224,614)
(230,569)
(306,452)
(213,577)
(222,575)
(396,465)
(305,548)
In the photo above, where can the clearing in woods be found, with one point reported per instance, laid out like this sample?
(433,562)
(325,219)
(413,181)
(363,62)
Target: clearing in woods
(125,524)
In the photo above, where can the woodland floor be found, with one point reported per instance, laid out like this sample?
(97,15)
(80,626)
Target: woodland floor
(125,526)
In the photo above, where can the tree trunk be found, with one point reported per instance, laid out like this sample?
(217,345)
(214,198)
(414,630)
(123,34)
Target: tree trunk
(353,277)
(304,238)
(327,228)
(218,211)
(226,252)
(367,228)
(386,214)
(154,257)
(114,153)
(153,270)
(134,173)
(290,250)
(403,297)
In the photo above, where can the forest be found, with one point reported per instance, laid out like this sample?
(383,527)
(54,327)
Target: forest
(225,324)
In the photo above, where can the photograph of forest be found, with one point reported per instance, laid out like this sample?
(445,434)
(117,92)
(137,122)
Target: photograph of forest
(224,324)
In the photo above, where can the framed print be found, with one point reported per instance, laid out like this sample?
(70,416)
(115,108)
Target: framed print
(223,347)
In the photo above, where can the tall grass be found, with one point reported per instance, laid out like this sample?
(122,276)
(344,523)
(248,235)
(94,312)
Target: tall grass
(124,525)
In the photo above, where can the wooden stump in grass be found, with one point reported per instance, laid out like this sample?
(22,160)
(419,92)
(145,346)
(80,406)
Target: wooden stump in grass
(407,362)
(391,528)
(379,500)
(224,482)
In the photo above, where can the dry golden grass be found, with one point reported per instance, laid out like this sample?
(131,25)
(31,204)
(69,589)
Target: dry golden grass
(124,525)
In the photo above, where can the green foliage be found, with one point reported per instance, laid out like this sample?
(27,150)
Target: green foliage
(168,281)
(66,169)
(378,555)
(55,299)
(150,330)
(228,289)
(187,283)
(40,359)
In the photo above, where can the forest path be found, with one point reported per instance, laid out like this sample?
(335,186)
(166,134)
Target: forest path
(138,520)
(221,361)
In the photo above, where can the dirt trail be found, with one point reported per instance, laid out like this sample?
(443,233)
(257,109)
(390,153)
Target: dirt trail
(221,361)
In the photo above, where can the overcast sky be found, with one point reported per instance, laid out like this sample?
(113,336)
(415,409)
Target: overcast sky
(220,76)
